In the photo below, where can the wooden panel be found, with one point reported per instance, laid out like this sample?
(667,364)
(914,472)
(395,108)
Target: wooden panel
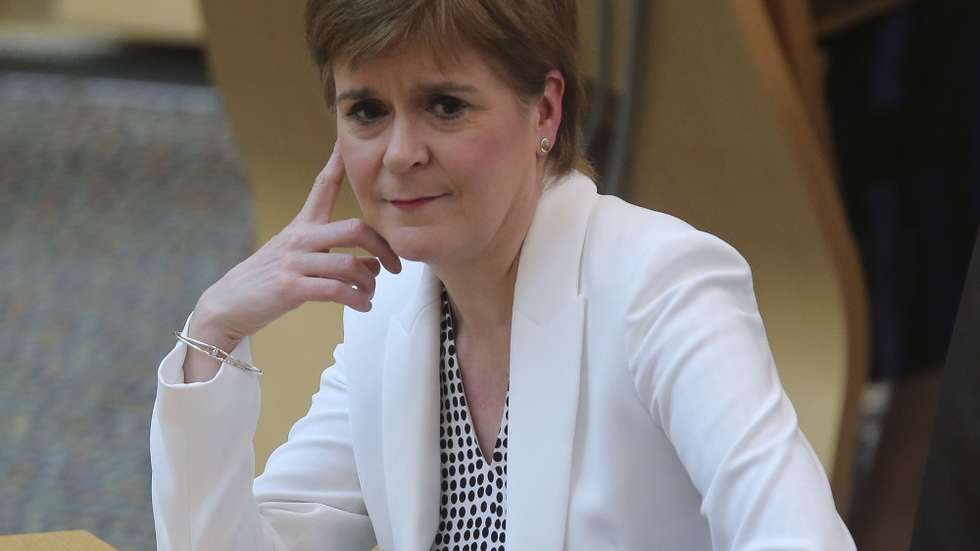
(794,29)
(176,21)
(157,21)
(71,540)
(832,16)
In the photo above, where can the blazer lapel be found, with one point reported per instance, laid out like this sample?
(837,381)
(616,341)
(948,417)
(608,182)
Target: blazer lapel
(543,406)
(545,367)
(410,418)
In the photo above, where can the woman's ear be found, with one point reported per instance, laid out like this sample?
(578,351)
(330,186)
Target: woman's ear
(549,106)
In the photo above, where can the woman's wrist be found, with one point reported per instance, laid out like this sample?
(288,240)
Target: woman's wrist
(206,326)
(199,367)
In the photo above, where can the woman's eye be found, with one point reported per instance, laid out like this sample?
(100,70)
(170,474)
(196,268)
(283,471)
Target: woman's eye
(366,112)
(447,107)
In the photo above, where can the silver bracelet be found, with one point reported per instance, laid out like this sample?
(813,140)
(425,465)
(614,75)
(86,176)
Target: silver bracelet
(217,353)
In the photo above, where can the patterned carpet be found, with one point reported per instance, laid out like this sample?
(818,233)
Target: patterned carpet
(120,202)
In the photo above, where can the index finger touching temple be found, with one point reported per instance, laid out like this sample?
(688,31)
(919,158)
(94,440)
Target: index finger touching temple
(323,196)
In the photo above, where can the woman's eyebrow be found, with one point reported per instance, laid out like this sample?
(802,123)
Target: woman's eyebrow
(445,87)
(356,94)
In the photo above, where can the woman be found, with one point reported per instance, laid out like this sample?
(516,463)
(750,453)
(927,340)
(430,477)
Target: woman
(548,368)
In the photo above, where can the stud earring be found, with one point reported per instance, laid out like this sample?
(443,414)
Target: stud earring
(545,145)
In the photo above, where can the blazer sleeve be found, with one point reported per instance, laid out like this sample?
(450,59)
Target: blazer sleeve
(701,362)
(203,492)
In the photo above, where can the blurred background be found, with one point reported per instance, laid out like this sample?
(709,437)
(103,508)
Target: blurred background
(148,146)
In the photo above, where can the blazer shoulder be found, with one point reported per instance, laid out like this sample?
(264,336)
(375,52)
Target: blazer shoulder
(626,243)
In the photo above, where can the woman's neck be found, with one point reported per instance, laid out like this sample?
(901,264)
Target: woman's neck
(481,287)
(482,294)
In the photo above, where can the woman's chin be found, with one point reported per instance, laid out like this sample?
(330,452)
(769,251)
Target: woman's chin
(413,254)
(416,244)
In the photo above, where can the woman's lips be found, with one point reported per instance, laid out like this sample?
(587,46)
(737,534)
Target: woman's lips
(414,203)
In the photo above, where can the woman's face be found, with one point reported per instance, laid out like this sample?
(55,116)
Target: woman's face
(408,130)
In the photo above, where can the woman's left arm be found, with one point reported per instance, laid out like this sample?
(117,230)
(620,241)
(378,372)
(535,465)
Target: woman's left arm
(701,362)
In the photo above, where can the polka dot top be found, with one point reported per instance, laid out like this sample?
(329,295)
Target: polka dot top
(473,504)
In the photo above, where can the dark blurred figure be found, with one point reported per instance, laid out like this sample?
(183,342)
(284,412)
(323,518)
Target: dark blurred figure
(950,498)
(904,99)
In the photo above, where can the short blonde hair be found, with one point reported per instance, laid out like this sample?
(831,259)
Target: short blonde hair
(522,40)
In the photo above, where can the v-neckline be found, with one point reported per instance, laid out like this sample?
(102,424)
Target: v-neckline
(501,428)
(501,433)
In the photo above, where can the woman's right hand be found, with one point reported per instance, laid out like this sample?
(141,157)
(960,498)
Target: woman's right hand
(297,266)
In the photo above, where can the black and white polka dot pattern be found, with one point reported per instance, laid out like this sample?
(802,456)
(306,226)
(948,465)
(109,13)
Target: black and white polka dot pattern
(473,505)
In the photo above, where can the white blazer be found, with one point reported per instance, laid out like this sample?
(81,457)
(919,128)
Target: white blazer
(645,411)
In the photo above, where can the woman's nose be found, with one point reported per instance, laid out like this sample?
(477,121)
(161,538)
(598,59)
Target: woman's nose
(406,149)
